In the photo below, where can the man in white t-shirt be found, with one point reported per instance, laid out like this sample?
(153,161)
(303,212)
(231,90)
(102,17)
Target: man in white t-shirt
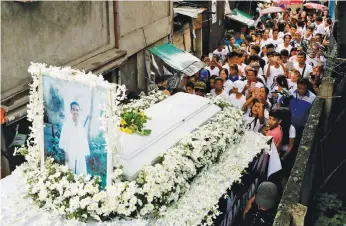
(221,52)
(214,67)
(275,68)
(276,40)
(304,68)
(266,40)
(308,34)
(319,26)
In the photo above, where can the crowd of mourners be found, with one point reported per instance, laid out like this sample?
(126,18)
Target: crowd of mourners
(272,72)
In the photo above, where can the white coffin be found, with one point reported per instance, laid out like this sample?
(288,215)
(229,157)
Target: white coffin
(172,119)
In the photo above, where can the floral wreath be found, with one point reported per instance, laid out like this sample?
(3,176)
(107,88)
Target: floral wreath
(157,189)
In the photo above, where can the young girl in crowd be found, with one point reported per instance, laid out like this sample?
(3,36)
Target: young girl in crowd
(254,117)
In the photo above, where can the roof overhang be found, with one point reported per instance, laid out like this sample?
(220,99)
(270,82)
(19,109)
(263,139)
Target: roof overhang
(190,12)
(178,59)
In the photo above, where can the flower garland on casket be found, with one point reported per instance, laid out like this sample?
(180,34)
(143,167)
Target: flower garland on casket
(55,188)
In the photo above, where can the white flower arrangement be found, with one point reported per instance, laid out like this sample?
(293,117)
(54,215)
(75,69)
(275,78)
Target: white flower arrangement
(188,166)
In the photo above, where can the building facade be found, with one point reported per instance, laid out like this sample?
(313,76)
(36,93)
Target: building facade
(105,37)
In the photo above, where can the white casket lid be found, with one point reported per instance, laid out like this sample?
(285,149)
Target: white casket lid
(172,119)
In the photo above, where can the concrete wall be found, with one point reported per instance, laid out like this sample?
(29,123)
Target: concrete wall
(56,33)
(141,24)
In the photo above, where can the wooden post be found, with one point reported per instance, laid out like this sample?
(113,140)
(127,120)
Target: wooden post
(327,93)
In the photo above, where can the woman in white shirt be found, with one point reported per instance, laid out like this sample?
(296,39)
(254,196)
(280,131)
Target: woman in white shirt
(237,99)
(254,117)
(227,84)
(285,45)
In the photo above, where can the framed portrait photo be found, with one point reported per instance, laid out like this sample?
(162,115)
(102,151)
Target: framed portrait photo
(76,107)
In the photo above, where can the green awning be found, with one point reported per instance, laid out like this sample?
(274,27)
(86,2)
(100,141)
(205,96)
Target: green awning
(178,59)
(241,17)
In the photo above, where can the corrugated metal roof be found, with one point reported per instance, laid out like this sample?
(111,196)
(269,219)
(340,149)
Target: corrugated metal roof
(190,12)
(178,59)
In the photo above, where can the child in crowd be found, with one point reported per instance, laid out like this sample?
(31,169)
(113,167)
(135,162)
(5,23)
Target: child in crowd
(189,88)
(200,88)
(273,128)
(236,98)
(219,89)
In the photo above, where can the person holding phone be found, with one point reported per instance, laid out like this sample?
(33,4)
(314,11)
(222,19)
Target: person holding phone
(255,116)
(275,68)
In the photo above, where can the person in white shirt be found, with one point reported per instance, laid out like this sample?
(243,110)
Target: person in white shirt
(276,40)
(219,90)
(266,40)
(227,84)
(74,141)
(319,26)
(308,34)
(241,65)
(214,67)
(327,26)
(221,52)
(255,114)
(285,44)
(237,99)
(303,68)
(275,68)
(294,76)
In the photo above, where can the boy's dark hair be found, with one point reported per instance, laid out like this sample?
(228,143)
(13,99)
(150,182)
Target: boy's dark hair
(285,53)
(300,23)
(256,48)
(275,29)
(304,82)
(73,103)
(319,19)
(232,54)
(254,71)
(234,67)
(270,54)
(301,53)
(270,46)
(254,58)
(219,43)
(190,84)
(213,77)
(275,113)
(277,54)
(218,79)
(241,54)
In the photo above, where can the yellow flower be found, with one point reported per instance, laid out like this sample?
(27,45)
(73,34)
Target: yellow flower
(142,114)
(126,130)
(122,122)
